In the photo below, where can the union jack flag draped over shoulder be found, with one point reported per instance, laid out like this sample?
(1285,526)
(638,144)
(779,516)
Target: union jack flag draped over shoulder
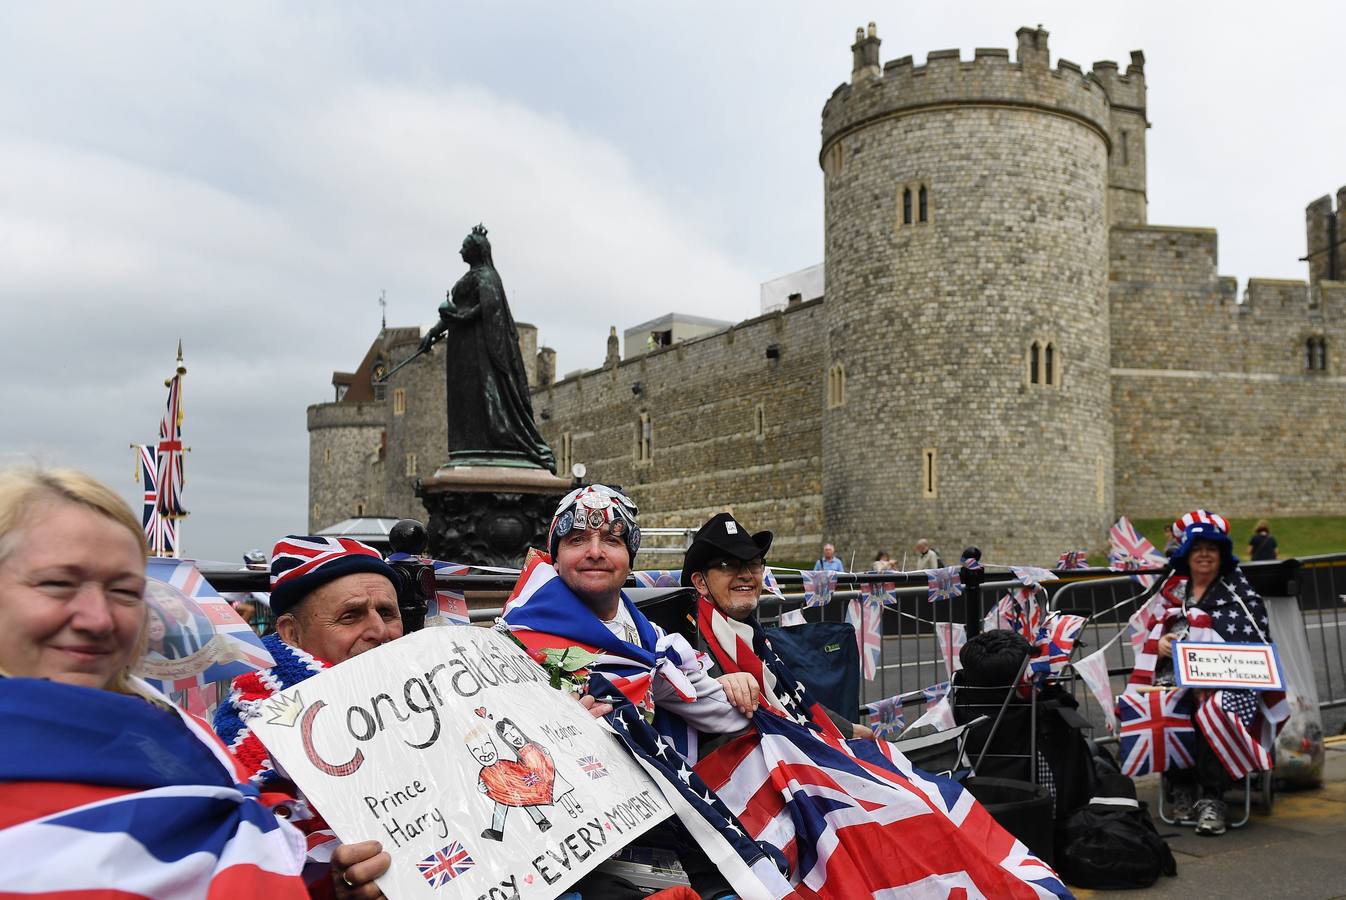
(169,456)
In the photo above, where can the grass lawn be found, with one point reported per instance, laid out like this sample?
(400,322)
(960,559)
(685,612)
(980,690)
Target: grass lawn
(1297,536)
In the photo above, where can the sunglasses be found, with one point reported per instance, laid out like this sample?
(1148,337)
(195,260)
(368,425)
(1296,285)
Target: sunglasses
(738,566)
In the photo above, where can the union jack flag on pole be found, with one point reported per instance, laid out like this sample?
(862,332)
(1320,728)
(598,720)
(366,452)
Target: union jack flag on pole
(170,477)
(160,533)
(1128,549)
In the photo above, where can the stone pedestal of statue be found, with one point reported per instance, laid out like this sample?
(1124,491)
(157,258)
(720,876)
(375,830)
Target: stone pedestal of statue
(489,515)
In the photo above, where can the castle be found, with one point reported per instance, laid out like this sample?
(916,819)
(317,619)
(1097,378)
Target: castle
(1006,353)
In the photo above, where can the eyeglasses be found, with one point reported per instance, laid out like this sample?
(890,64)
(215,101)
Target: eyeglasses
(738,566)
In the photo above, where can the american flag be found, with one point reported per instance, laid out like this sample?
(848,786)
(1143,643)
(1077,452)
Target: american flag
(446,864)
(160,533)
(818,587)
(1157,731)
(944,584)
(591,766)
(1073,559)
(169,460)
(866,614)
(855,819)
(1229,720)
(1128,549)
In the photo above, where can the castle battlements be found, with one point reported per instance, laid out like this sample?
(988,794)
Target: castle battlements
(1124,90)
(990,78)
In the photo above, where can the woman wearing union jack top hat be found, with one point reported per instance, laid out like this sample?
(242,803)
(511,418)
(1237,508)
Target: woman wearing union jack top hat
(1203,741)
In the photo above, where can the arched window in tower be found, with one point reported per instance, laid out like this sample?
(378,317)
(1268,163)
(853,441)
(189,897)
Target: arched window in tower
(1322,354)
(1035,363)
(924,204)
(906,206)
(836,386)
(1049,364)
(644,438)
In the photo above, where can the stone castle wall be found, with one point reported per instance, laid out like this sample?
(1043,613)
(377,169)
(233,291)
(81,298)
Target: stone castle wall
(933,321)
(345,467)
(707,453)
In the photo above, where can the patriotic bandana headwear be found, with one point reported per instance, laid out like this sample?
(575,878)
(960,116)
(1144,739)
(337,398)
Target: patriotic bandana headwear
(300,564)
(595,506)
(1202,525)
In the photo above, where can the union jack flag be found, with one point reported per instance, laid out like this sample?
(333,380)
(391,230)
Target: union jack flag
(1073,559)
(944,584)
(886,717)
(170,479)
(1032,576)
(936,692)
(1018,611)
(444,865)
(591,766)
(952,636)
(1157,733)
(449,605)
(818,587)
(866,614)
(880,591)
(1128,549)
(160,533)
(768,581)
(1057,639)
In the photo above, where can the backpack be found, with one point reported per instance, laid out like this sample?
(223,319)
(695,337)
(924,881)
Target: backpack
(1111,843)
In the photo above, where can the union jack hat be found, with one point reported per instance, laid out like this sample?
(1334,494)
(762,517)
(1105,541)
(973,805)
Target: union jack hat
(594,506)
(300,564)
(1203,525)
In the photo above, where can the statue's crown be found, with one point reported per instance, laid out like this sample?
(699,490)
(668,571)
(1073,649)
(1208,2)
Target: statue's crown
(479,229)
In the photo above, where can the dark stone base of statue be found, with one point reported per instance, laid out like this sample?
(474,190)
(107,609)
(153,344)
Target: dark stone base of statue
(489,515)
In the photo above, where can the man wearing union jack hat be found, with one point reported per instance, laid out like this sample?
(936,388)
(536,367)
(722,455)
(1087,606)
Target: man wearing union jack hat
(1208,599)
(334,598)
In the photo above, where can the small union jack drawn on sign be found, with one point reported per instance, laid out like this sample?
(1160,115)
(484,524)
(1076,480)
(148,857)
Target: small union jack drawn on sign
(444,865)
(590,766)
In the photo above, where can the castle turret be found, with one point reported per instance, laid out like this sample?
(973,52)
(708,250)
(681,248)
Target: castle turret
(1127,124)
(967,389)
(1326,234)
(865,54)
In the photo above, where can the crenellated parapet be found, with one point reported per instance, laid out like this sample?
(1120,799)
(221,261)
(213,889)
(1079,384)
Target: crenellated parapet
(990,78)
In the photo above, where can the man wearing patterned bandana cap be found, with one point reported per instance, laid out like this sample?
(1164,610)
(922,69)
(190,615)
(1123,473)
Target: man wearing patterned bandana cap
(577,601)
(334,598)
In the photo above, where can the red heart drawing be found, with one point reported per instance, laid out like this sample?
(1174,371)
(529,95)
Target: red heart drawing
(481,711)
(528,880)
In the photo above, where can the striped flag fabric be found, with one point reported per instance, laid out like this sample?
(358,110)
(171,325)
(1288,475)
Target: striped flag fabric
(952,636)
(866,614)
(1156,731)
(1230,722)
(169,450)
(105,795)
(161,533)
(855,819)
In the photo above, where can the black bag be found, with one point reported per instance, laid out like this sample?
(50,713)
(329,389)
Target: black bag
(824,656)
(1112,844)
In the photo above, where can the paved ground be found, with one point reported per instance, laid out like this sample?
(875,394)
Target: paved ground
(1298,851)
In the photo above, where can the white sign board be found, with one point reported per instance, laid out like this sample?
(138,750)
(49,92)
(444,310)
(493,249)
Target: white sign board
(1253,667)
(450,747)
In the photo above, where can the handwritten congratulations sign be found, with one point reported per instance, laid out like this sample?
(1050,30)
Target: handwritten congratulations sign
(1253,667)
(449,747)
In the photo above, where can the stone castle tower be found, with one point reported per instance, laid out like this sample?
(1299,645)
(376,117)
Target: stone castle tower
(968,206)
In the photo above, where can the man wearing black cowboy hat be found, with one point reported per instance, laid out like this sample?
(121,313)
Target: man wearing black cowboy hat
(726,565)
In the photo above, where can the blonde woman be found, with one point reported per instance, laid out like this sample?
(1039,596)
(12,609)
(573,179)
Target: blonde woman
(104,785)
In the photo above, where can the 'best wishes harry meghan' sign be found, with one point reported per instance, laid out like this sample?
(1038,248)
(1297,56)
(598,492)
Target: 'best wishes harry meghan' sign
(450,748)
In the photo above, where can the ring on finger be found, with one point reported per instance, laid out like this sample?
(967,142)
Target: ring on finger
(346,878)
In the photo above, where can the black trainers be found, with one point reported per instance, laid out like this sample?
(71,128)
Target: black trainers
(1210,817)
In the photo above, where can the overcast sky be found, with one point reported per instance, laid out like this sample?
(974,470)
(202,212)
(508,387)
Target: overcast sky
(249,177)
